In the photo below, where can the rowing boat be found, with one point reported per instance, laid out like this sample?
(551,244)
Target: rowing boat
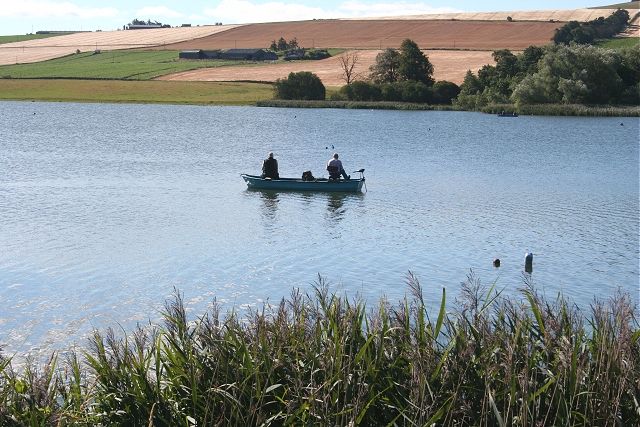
(297,184)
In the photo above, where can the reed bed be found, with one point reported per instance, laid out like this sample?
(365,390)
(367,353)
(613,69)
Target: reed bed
(325,359)
(361,105)
(565,110)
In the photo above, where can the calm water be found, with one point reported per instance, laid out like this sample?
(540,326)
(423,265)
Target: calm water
(104,209)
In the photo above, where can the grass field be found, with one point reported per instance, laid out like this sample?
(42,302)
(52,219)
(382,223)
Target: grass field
(236,93)
(619,43)
(25,37)
(119,65)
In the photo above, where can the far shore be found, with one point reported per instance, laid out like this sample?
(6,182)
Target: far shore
(242,93)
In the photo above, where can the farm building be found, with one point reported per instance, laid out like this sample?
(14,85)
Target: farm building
(231,54)
(191,54)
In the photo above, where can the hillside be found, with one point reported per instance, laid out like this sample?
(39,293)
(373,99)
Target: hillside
(380,34)
(55,47)
(454,43)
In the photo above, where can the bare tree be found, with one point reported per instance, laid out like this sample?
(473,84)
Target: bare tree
(348,62)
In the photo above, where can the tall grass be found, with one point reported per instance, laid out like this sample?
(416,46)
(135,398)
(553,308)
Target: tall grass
(324,359)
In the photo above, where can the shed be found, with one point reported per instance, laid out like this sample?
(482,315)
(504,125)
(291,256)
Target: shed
(191,54)
(249,54)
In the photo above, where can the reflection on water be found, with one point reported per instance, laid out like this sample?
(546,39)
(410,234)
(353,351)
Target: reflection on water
(337,204)
(269,205)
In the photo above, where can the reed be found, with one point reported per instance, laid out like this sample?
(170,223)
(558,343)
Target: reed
(565,110)
(325,359)
(362,105)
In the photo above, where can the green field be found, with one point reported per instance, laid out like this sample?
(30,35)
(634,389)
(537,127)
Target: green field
(619,43)
(231,93)
(117,65)
(26,37)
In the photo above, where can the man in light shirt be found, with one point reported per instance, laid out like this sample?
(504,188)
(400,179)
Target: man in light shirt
(334,166)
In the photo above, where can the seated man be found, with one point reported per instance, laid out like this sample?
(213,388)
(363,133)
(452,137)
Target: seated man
(270,168)
(335,169)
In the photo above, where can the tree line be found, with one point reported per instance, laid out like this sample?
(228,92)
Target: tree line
(588,32)
(562,73)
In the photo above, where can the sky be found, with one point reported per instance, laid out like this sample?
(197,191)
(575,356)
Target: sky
(27,16)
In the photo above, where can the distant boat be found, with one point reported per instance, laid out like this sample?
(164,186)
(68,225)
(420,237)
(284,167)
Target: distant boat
(503,114)
(297,184)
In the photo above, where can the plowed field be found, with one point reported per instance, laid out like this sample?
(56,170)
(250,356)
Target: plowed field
(448,65)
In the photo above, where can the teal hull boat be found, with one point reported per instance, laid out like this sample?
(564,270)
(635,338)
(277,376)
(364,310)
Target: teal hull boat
(297,184)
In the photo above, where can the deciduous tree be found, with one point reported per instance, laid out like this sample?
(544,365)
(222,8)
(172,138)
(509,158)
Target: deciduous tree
(414,65)
(348,62)
(385,70)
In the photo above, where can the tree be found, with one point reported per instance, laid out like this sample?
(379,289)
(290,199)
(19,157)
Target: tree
(528,59)
(414,65)
(348,62)
(282,44)
(385,70)
(302,85)
(574,74)
(506,63)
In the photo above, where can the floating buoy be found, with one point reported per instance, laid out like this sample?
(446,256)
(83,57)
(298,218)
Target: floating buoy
(528,262)
(496,262)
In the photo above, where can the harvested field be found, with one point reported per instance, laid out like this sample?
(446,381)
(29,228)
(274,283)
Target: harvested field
(380,34)
(54,47)
(448,65)
(472,31)
(581,15)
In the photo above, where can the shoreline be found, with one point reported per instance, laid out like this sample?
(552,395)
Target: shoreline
(258,94)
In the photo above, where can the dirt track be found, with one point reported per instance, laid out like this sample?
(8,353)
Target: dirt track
(448,65)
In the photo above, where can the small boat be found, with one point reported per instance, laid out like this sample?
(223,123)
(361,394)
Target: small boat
(297,184)
(503,114)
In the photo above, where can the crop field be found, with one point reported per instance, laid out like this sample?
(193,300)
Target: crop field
(380,34)
(135,91)
(448,65)
(119,65)
(620,43)
(44,49)
(25,37)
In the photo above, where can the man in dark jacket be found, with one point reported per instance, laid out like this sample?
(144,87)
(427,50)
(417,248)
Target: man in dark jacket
(270,168)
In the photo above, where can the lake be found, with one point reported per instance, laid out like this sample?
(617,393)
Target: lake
(106,209)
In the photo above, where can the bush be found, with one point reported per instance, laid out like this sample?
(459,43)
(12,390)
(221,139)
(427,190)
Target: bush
(316,54)
(414,91)
(361,91)
(390,92)
(302,85)
(444,92)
